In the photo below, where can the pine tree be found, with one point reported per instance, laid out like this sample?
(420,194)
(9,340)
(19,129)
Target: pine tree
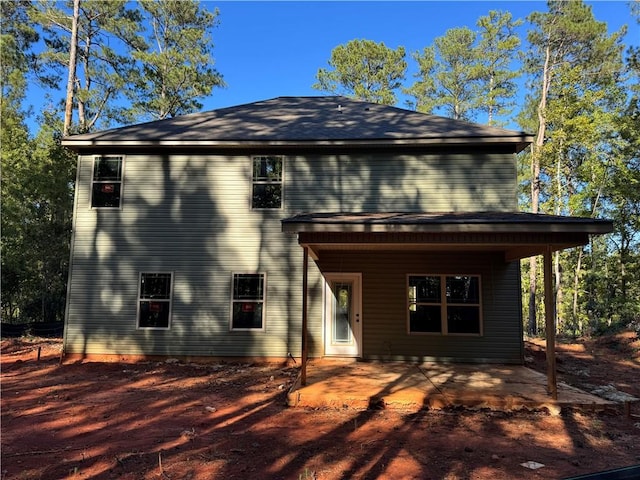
(174,67)
(574,66)
(497,48)
(364,70)
(465,73)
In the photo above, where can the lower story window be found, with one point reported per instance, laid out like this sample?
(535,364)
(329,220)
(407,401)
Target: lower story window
(247,304)
(154,300)
(444,304)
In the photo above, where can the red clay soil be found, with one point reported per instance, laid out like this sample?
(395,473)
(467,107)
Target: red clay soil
(159,420)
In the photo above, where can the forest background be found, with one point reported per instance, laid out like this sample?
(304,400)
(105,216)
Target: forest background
(558,72)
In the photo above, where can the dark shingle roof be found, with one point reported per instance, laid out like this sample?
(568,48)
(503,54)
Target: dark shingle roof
(301,120)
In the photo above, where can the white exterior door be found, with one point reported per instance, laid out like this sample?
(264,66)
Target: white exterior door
(343,314)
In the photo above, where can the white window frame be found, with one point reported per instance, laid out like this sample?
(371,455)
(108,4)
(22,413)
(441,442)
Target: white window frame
(158,300)
(93,181)
(444,304)
(267,182)
(263,301)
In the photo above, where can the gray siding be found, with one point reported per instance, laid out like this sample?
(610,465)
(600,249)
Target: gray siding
(384,300)
(190,214)
(423,183)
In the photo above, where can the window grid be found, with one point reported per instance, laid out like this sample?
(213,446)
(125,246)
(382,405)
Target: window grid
(266,189)
(248,301)
(445,305)
(106,181)
(155,293)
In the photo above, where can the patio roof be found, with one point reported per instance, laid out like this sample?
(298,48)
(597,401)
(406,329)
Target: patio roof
(517,234)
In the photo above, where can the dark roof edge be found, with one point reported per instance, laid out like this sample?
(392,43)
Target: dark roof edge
(466,222)
(520,143)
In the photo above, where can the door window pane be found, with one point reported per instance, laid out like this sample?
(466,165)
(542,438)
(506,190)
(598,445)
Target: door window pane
(342,313)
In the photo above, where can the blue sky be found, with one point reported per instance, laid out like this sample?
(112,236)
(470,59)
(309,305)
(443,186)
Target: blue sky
(270,49)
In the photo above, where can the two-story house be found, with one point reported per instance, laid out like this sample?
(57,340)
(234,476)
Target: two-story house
(368,230)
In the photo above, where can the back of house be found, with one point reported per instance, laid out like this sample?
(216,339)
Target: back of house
(209,235)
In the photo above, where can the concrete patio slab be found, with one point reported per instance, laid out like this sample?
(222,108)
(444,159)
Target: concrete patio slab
(361,385)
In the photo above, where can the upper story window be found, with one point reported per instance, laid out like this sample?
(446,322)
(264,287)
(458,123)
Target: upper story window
(267,182)
(445,304)
(107,182)
(154,300)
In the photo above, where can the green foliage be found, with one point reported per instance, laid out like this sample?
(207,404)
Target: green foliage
(425,90)
(175,68)
(16,37)
(364,70)
(146,60)
(101,72)
(151,60)
(449,76)
(168,74)
(576,76)
(497,49)
(466,72)
(459,79)
(36,222)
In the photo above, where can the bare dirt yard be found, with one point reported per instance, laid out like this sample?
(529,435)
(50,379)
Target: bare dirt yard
(159,420)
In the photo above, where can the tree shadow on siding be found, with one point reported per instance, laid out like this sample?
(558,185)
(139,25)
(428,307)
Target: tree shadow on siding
(169,221)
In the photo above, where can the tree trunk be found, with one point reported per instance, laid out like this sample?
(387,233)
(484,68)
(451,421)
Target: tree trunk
(82,116)
(557,288)
(536,153)
(68,111)
(576,286)
(491,100)
(533,323)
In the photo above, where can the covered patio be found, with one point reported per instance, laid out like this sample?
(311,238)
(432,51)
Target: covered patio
(514,235)
(354,384)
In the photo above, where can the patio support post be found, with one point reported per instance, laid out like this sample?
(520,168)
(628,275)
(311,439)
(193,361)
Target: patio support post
(550,324)
(305,265)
